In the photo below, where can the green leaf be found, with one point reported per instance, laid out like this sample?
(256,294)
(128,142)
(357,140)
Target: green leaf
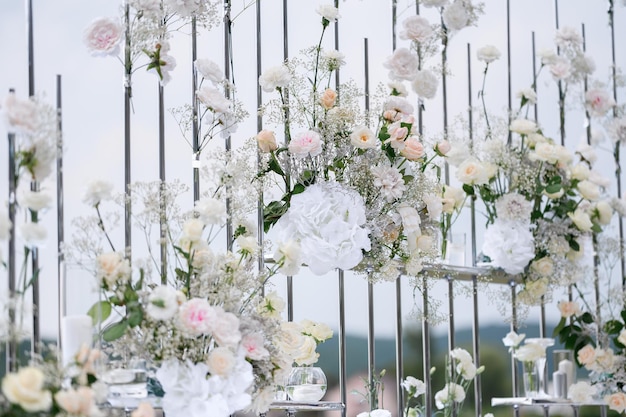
(275,166)
(586,318)
(115,331)
(407,178)
(469,190)
(623,314)
(553,188)
(100,310)
(136,316)
(613,326)
(559,327)
(298,188)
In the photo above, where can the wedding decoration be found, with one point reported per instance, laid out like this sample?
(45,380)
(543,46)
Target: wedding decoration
(351,197)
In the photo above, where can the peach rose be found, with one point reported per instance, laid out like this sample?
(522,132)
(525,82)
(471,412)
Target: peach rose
(328,98)
(221,361)
(79,402)
(568,308)
(413,149)
(442,148)
(266,141)
(143,410)
(587,355)
(616,401)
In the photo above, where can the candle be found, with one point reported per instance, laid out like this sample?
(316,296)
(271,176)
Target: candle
(567,367)
(76,331)
(559,381)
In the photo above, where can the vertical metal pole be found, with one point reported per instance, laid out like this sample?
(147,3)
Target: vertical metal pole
(342,342)
(259,127)
(61,288)
(195,112)
(286,97)
(616,151)
(508,63)
(470,118)
(12,340)
(560,84)
(163,204)
(451,330)
(428,395)
(227,74)
(514,383)
(444,92)
(535,106)
(127,108)
(371,353)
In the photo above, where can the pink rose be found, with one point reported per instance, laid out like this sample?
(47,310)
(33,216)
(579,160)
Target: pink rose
(76,402)
(196,317)
(306,144)
(413,149)
(266,141)
(328,98)
(103,36)
(587,355)
(442,148)
(598,102)
(225,328)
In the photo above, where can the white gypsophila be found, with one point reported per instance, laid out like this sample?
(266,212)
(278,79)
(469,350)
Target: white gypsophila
(523,126)
(425,84)
(275,77)
(389,180)
(33,234)
(147,6)
(209,70)
(488,54)
(398,88)
(402,65)
(568,36)
(598,101)
(98,191)
(450,394)
(581,392)
(527,94)
(362,137)
(5,224)
(184,8)
(416,28)
(289,256)
(434,3)
(398,104)
(327,220)
(162,303)
(513,206)
(35,200)
(211,210)
(103,36)
(214,99)
(328,12)
(20,115)
(455,16)
(510,245)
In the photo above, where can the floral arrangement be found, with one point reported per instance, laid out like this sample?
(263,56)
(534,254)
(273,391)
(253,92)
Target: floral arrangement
(542,202)
(46,388)
(351,197)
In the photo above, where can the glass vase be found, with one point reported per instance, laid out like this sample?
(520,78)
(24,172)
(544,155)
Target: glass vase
(306,384)
(531,379)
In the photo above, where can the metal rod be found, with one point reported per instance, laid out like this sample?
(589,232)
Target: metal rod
(535,106)
(451,329)
(127,109)
(31,49)
(428,395)
(287,136)
(228,76)
(514,383)
(616,154)
(195,113)
(394,21)
(470,118)
(259,127)
(476,347)
(399,347)
(11,267)
(61,284)
(371,353)
(560,84)
(342,341)
(508,64)
(444,92)
(163,205)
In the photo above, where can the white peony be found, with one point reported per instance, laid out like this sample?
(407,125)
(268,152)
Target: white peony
(402,65)
(275,77)
(425,84)
(416,28)
(389,180)
(209,70)
(362,137)
(327,220)
(35,200)
(214,99)
(488,54)
(587,152)
(510,245)
(103,36)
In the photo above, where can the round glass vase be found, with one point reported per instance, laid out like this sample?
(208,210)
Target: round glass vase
(306,384)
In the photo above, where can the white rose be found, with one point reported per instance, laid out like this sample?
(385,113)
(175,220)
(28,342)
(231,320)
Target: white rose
(306,354)
(568,308)
(599,179)
(603,212)
(472,172)
(209,70)
(221,361)
(275,77)
(97,191)
(455,17)
(587,152)
(402,65)
(363,138)
(581,219)
(112,269)
(319,331)
(328,12)
(543,267)
(453,198)
(416,28)
(622,337)
(488,54)
(589,190)
(162,303)
(35,200)
(580,171)
(513,339)
(103,36)
(550,153)
(192,230)
(26,389)
(530,352)
(425,84)
(523,126)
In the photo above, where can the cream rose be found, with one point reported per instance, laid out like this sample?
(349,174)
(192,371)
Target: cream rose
(79,402)
(587,355)
(581,219)
(26,389)
(328,98)
(544,266)
(523,126)
(568,309)
(306,354)
(221,361)
(363,138)
(413,149)
(266,140)
(112,269)
(472,172)
(588,190)
(616,401)
(603,212)
(580,172)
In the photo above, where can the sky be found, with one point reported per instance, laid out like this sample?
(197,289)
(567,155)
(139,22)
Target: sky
(93,112)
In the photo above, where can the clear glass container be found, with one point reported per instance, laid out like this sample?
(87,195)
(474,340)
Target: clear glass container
(306,384)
